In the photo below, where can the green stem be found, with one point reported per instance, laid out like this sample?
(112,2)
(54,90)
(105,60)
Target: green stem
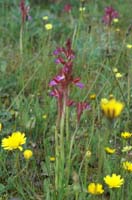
(61,150)
(113,195)
(61,146)
(104,141)
(57,159)
(67,126)
(76,196)
(16,167)
(21,39)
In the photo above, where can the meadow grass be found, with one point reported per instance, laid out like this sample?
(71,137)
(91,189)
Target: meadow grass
(68,155)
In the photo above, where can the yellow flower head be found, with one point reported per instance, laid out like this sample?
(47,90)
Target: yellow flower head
(129,46)
(115,20)
(114,181)
(15,141)
(44,116)
(127,148)
(82,9)
(127,166)
(111,96)
(109,150)
(118,75)
(95,188)
(126,135)
(115,70)
(92,96)
(111,108)
(0,126)
(48,26)
(104,101)
(45,17)
(88,154)
(27,154)
(52,159)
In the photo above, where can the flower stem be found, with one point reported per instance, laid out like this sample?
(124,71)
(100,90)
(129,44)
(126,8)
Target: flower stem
(57,159)
(21,39)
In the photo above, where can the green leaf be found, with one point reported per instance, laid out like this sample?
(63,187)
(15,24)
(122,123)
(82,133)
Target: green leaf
(2,188)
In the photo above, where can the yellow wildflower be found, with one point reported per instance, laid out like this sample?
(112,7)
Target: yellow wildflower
(48,26)
(15,141)
(104,101)
(114,181)
(27,154)
(109,150)
(129,46)
(92,96)
(115,20)
(45,17)
(118,75)
(111,96)
(52,158)
(126,135)
(115,70)
(127,166)
(111,108)
(82,9)
(88,154)
(44,116)
(127,148)
(95,188)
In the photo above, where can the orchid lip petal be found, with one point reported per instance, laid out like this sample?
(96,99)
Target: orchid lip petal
(80,85)
(59,78)
(56,52)
(52,83)
(56,80)
(57,61)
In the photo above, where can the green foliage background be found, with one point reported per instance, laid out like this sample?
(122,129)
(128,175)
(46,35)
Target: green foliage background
(24,90)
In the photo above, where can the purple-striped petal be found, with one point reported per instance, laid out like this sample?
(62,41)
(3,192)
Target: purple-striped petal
(57,61)
(80,85)
(52,83)
(60,78)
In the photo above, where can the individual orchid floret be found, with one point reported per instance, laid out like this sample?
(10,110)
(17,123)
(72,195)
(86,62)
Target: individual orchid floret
(60,60)
(77,82)
(67,8)
(57,93)
(65,53)
(56,80)
(110,15)
(57,51)
(70,103)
